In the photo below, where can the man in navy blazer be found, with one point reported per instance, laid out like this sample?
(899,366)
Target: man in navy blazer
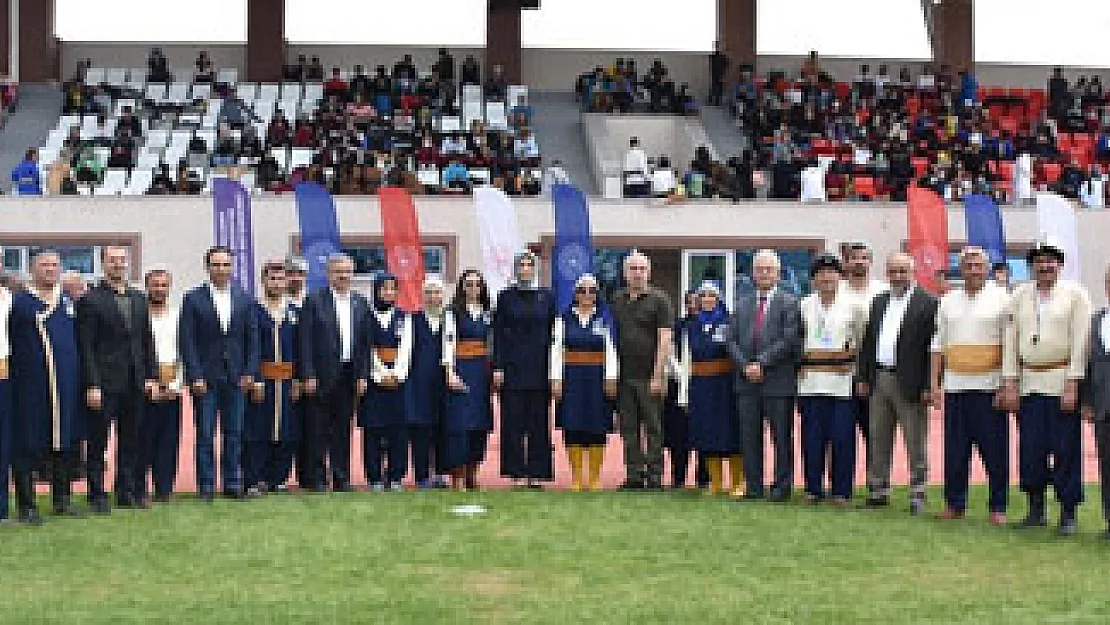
(219,345)
(335,368)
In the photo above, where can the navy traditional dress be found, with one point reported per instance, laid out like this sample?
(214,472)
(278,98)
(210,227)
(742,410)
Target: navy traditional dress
(424,391)
(708,368)
(6,421)
(45,367)
(587,354)
(273,427)
(469,414)
(676,434)
(382,416)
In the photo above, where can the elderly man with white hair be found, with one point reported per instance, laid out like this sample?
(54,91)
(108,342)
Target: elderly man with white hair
(764,342)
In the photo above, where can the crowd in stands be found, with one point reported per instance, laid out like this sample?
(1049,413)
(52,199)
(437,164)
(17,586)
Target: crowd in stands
(874,136)
(619,88)
(349,131)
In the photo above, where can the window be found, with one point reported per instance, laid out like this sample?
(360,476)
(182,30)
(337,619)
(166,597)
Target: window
(84,259)
(370,259)
(795,270)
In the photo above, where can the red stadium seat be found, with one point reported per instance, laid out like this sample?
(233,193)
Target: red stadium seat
(865,187)
(920,165)
(1052,172)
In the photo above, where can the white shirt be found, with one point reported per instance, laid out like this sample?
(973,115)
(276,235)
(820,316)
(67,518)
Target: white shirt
(1103,332)
(164,328)
(400,367)
(221,299)
(813,184)
(1091,193)
(840,325)
(972,320)
(886,349)
(635,159)
(5,313)
(662,181)
(344,324)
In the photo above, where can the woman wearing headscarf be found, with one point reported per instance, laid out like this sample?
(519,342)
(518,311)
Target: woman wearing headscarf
(469,416)
(382,416)
(522,325)
(426,386)
(584,370)
(705,390)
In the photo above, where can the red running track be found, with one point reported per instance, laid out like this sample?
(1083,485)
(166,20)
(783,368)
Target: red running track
(613,469)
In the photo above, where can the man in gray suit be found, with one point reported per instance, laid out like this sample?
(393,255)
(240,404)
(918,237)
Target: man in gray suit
(1094,397)
(765,344)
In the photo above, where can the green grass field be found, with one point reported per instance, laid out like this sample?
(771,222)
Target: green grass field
(547,558)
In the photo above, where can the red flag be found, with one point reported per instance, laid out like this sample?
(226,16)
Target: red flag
(404,256)
(927,237)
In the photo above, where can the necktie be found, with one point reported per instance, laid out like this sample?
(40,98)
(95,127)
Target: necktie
(760,314)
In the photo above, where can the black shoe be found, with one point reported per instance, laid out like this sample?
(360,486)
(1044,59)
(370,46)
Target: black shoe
(754,496)
(207,497)
(234,494)
(279,488)
(779,497)
(163,498)
(341,488)
(100,507)
(1032,520)
(67,510)
(877,501)
(30,516)
(1068,526)
(631,485)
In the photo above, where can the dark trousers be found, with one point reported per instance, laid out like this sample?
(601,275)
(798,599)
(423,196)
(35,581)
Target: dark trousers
(329,427)
(420,442)
(526,434)
(309,458)
(641,420)
(861,409)
(228,401)
(828,429)
(161,442)
(6,446)
(1045,430)
(971,420)
(60,464)
(777,412)
(384,454)
(676,438)
(1102,443)
(126,409)
(256,457)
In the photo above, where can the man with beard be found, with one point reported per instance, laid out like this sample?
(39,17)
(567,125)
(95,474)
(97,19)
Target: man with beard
(1044,359)
(162,418)
(117,356)
(858,285)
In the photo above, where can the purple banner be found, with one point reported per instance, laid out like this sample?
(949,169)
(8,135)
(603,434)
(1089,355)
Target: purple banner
(232,220)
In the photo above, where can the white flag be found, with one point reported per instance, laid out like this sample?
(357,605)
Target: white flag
(499,235)
(1056,220)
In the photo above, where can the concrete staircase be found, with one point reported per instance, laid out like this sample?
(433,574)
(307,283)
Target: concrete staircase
(723,133)
(558,127)
(36,114)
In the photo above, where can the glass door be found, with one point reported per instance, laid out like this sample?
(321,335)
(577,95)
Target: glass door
(716,265)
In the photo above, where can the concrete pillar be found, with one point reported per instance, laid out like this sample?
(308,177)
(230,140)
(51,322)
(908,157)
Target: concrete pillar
(503,39)
(736,28)
(953,30)
(265,40)
(38,47)
(5,35)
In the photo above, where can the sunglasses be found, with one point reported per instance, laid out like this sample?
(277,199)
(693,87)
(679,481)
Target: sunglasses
(586,289)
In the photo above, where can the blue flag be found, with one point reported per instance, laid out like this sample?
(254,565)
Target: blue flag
(984,226)
(232,221)
(573,255)
(319,231)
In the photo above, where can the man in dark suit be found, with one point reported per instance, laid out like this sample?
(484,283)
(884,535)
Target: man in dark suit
(335,367)
(118,367)
(894,374)
(765,344)
(219,346)
(1094,397)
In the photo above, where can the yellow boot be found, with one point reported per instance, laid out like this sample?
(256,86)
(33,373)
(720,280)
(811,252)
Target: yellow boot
(716,475)
(597,457)
(736,474)
(574,452)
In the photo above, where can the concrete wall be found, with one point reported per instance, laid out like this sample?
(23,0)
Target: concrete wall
(174,231)
(542,68)
(607,139)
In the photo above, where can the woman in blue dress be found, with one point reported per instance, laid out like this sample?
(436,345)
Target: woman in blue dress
(705,389)
(466,358)
(676,426)
(382,416)
(584,381)
(424,391)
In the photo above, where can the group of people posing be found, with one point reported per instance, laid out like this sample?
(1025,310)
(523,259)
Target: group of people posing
(286,377)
